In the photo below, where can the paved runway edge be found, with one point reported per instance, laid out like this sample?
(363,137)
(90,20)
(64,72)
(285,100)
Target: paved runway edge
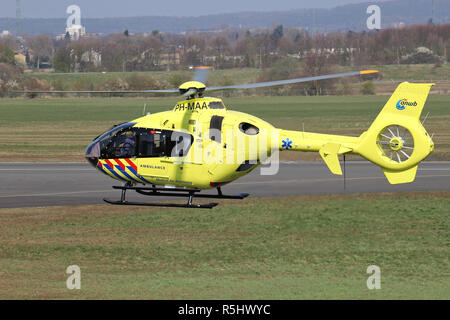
(58,184)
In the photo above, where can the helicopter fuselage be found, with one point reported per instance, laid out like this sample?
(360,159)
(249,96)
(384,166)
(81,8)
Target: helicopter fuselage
(199,144)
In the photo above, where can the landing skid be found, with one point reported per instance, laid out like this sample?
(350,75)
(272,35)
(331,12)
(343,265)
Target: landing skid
(171,192)
(170,205)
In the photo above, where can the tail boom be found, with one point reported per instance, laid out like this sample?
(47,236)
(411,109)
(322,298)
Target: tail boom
(329,146)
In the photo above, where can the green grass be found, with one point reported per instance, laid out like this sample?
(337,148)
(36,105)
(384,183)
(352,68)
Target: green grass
(414,72)
(303,247)
(58,129)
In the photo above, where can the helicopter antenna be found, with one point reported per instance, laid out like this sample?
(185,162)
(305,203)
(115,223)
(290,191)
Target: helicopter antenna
(145,108)
(425,119)
(345,176)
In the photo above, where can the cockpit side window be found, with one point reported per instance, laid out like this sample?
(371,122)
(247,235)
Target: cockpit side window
(117,142)
(120,145)
(125,144)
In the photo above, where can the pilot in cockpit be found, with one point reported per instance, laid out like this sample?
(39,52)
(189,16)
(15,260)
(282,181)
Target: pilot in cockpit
(128,146)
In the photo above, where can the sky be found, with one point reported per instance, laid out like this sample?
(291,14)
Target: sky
(130,8)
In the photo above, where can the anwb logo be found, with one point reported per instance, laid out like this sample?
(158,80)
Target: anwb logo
(403,103)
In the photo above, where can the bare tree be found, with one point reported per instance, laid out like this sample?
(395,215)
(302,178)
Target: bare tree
(41,46)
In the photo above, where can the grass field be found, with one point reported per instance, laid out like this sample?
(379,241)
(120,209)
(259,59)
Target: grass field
(297,247)
(59,129)
(302,247)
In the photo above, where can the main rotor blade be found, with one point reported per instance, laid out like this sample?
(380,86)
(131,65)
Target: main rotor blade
(201,74)
(92,91)
(291,81)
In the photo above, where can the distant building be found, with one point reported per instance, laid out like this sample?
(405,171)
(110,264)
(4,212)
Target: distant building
(93,57)
(75,32)
(399,25)
(5,33)
(171,56)
(20,59)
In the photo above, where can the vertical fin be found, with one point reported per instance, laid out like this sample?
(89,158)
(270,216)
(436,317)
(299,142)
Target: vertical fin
(408,100)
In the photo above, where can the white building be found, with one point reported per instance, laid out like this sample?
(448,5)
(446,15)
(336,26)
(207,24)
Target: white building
(93,57)
(5,33)
(75,32)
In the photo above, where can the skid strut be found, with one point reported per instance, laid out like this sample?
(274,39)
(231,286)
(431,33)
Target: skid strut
(171,192)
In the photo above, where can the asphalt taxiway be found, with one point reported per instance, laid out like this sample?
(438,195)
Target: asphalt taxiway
(59,184)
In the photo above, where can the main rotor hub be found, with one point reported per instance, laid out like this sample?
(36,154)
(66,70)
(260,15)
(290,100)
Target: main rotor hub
(192,88)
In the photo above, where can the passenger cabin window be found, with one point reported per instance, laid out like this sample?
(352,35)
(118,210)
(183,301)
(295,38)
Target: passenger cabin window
(248,128)
(152,143)
(215,128)
(163,143)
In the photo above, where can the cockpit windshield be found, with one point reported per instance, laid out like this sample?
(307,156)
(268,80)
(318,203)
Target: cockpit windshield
(99,144)
(114,130)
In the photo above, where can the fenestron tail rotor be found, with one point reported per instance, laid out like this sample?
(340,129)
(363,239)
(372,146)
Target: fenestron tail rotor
(396,143)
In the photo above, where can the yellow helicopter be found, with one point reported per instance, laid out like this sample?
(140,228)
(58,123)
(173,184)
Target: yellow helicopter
(201,145)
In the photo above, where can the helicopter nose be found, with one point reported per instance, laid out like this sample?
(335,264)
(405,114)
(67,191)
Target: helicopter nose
(93,153)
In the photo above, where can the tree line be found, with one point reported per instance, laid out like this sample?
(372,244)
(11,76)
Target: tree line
(276,51)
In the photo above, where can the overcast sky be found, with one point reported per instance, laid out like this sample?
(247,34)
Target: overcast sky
(124,8)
